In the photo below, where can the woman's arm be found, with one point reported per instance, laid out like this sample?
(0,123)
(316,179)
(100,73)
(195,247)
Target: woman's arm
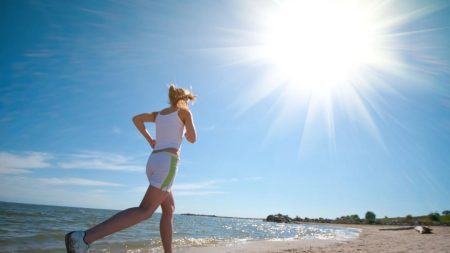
(186,117)
(139,120)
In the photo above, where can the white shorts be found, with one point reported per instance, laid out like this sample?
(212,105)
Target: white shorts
(161,170)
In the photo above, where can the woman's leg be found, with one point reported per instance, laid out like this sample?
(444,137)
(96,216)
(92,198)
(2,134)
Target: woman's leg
(165,226)
(129,217)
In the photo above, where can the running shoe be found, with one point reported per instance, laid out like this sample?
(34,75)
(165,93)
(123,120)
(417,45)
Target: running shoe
(75,242)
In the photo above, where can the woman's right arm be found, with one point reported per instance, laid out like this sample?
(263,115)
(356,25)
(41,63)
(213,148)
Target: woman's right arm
(139,120)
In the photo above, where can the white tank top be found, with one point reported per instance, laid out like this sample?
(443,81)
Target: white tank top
(169,131)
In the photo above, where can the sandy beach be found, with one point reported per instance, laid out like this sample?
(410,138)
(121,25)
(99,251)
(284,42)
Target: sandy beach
(371,239)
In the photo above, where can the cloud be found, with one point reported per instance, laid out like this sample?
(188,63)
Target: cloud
(22,163)
(198,193)
(208,128)
(235,180)
(94,160)
(116,130)
(197,185)
(207,188)
(40,54)
(75,181)
(19,188)
(4,119)
(202,188)
(11,163)
(141,189)
(254,178)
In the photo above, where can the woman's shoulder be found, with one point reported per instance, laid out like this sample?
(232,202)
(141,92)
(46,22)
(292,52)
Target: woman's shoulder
(184,109)
(184,113)
(166,111)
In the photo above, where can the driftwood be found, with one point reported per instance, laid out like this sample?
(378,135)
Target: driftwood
(395,229)
(420,229)
(423,230)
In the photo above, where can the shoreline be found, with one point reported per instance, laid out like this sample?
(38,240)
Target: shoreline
(370,239)
(261,246)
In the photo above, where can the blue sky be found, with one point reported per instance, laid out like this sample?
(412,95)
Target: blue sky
(73,74)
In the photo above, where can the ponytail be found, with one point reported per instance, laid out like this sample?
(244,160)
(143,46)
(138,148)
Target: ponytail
(179,97)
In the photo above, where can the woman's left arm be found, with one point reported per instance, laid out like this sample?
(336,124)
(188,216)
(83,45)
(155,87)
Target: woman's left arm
(188,121)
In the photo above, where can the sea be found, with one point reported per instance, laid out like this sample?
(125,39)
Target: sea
(41,228)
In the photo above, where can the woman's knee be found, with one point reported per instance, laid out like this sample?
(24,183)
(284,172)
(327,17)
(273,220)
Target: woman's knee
(168,209)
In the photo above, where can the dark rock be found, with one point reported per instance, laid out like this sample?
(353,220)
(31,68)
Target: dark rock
(279,218)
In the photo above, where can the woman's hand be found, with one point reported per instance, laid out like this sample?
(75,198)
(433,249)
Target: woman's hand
(139,120)
(152,143)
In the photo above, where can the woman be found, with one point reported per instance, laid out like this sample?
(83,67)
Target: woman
(170,123)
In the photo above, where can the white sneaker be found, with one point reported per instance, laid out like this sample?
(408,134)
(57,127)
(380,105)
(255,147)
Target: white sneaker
(75,242)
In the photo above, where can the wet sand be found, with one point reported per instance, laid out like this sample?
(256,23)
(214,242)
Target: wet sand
(371,239)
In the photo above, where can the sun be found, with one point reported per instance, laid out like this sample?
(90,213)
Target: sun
(318,45)
(325,66)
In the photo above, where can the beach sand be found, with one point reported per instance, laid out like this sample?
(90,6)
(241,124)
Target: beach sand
(371,239)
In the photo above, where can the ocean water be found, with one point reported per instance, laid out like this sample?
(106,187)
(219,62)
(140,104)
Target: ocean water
(38,228)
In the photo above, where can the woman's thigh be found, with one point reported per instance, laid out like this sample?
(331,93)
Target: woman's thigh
(153,198)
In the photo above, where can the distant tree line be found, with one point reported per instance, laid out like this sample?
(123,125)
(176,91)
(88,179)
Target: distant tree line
(433,218)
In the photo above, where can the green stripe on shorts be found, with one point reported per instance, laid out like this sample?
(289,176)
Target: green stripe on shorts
(172,170)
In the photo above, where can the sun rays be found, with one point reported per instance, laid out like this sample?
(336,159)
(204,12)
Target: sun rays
(332,59)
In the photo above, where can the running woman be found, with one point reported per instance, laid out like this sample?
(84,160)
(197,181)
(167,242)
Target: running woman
(162,166)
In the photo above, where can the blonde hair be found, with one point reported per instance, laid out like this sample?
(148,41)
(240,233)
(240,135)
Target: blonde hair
(179,97)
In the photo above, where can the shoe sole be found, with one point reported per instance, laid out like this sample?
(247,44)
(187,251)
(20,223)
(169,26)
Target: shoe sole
(67,239)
